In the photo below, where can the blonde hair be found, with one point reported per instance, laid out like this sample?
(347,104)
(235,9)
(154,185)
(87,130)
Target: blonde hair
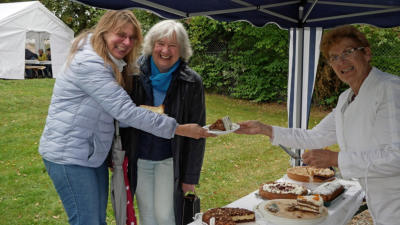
(113,20)
(169,29)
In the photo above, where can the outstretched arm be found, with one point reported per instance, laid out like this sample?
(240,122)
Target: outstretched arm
(254,127)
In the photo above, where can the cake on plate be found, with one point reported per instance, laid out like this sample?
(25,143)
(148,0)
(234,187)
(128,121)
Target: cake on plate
(222,124)
(310,174)
(329,190)
(228,216)
(281,190)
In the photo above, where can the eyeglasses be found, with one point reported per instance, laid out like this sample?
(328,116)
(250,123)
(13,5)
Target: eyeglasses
(123,36)
(345,54)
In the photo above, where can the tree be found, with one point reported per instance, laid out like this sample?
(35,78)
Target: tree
(77,16)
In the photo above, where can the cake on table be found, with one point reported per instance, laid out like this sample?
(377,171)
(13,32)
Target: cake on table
(228,216)
(223,124)
(329,191)
(281,190)
(310,174)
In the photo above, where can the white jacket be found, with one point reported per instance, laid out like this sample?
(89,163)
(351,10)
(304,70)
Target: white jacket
(368,133)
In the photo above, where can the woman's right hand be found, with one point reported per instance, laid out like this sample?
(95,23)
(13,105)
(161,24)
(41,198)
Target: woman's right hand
(254,127)
(193,130)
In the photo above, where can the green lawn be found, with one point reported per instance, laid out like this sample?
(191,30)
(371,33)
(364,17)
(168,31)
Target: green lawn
(234,165)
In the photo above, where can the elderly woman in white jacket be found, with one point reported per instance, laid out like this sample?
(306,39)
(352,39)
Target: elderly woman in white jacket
(365,124)
(88,95)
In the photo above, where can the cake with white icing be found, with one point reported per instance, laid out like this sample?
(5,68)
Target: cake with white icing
(281,190)
(329,190)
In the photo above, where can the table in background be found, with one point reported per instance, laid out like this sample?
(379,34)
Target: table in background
(340,212)
(44,67)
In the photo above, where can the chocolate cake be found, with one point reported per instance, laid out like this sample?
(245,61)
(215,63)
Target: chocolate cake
(217,125)
(228,216)
(222,124)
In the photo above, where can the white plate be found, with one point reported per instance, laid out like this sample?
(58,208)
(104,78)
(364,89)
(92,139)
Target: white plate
(265,214)
(235,126)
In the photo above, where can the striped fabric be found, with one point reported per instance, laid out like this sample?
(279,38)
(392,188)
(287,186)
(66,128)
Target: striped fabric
(303,63)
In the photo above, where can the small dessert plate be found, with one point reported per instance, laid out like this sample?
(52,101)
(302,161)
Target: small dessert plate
(235,126)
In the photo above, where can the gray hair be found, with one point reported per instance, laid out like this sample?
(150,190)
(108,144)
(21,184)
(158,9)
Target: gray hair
(168,28)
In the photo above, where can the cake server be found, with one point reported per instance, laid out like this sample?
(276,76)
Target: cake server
(289,152)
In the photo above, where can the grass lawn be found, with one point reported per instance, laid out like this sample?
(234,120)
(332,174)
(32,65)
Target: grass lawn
(234,165)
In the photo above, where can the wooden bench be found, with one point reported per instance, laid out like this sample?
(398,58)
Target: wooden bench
(36,70)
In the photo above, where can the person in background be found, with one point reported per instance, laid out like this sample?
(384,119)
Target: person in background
(365,124)
(88,95)
(49,69)
(29,55)
(162,170)
(48,53)
(42,55)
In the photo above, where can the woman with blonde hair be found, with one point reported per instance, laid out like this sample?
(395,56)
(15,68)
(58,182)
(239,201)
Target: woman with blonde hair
(87,96)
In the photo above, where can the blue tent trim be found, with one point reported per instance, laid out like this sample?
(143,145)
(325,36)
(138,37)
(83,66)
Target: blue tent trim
(291,84)
(285,13)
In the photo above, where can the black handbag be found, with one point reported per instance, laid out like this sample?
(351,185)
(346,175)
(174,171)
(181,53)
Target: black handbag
(191,206)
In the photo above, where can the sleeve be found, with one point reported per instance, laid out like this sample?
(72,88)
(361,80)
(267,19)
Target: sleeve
(97,80)
(385,161)
(193,150)
(322,135)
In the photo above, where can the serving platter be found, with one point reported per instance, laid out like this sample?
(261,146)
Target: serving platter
(285,217)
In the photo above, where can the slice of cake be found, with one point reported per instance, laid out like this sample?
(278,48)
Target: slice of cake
(309,203)
(222,124)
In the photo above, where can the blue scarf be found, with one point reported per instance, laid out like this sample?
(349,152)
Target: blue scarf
(161,81)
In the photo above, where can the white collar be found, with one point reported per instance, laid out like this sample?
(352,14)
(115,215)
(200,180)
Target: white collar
(119,62)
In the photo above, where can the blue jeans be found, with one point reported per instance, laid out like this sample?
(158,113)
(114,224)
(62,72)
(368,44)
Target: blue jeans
(83,191)
(155,192)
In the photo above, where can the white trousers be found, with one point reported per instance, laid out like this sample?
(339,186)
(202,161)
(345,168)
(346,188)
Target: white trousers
(154,192)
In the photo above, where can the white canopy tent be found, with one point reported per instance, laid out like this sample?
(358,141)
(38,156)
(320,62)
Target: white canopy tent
(22,21)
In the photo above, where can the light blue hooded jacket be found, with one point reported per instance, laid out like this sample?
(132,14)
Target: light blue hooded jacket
(86,98)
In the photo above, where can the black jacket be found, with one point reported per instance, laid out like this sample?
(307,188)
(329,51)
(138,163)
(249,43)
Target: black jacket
(185,102)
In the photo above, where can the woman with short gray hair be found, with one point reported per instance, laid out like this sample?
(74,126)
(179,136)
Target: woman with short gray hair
(164,170)
(168,28)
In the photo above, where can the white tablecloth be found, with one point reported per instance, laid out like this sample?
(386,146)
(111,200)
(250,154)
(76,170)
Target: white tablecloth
(37,62)
(340,211)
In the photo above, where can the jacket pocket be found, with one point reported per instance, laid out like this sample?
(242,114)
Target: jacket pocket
(99,151)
